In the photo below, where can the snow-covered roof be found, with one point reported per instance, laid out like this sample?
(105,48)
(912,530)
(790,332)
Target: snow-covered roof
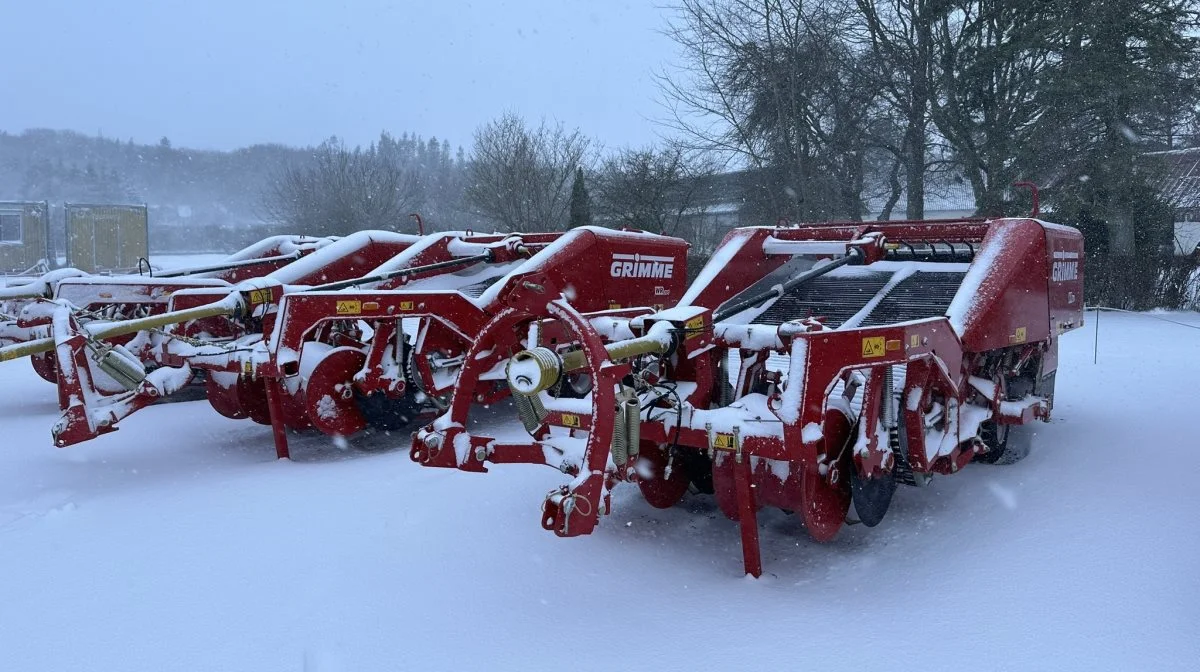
(1187,238)
(1180,186)
(945,196)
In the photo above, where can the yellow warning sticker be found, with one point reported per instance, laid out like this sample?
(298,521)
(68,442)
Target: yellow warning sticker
(258,296)
(570,420)
(1020,335)
(613,305)
(349,307)
(406,305)
(874,346)
(694,326)
(724,441)
(914,341)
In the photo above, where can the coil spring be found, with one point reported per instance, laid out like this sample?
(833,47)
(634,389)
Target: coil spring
(889,410)
(619,447)
(549,368)
(633,426)
(530,410)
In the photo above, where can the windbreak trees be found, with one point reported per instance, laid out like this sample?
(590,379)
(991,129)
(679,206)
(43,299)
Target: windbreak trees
(520,177)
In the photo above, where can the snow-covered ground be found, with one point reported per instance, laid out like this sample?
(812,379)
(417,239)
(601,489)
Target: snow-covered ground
(179,543)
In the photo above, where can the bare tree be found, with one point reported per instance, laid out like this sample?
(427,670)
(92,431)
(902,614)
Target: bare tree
(900,33)
(774,85)
(993,56)
(342,190)
(520,177)
(650,189)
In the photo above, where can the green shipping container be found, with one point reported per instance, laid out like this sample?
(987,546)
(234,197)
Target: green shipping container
(104,238)
(24,233)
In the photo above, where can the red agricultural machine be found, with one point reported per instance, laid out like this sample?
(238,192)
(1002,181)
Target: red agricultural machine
(108,331)
(28,308)
(807,368)
(370,350)
(322,372)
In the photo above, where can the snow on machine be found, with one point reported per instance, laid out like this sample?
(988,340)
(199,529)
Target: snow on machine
(421,332)
(109,352)
(807,368)
(339,355)
(26,310)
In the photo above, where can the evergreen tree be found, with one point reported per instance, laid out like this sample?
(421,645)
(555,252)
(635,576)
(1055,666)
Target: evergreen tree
(1118,65)
(581,202)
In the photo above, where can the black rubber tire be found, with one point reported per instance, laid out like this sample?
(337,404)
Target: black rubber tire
(699,469)
(387,414)
(1007,444)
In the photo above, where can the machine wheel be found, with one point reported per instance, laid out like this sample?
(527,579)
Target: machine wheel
(329,398)
(824,505)
(388,413)
(1007,444)
(222,397)
(252,395)
(660,492)
(872,497)
(46,366)
(243,399)
(699,468)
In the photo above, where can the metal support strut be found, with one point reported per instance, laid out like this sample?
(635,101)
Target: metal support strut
(275,407)
(743,476)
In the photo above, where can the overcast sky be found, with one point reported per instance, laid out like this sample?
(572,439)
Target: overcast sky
(229,73)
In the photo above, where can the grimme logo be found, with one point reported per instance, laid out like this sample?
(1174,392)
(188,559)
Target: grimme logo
(641,266)
(1065,267)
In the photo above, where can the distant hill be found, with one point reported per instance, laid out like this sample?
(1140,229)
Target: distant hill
(199,199)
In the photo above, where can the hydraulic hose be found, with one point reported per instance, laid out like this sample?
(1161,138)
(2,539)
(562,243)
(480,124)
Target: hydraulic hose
(485,257)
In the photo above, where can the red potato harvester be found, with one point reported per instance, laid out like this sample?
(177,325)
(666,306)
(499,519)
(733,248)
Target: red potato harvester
(30,307)
(806,368)
(420,334)
(446,265)
(118,367)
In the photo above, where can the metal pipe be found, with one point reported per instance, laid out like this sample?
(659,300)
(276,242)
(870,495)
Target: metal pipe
(227,266)
(550,366)
(781,289)
(1033,189)
(26,348)
(18,292)
(380,277)
(122,328)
